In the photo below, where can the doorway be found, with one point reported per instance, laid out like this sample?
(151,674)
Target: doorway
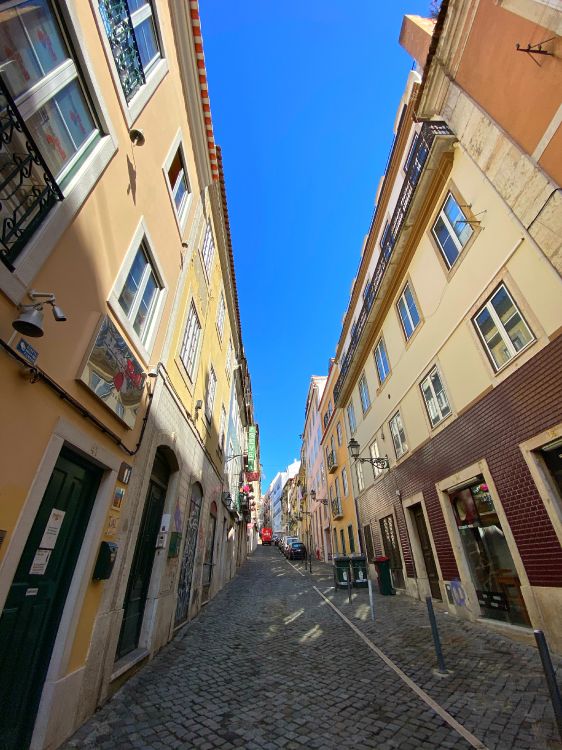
(391,547)
(143,558)
(427,550)
(35,602)
(209,563)
(188,559)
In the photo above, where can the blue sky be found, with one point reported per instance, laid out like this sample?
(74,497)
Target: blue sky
(303,98)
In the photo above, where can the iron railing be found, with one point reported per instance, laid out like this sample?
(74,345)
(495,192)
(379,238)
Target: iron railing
(337,510)
(121,35)
(428,132)
(332,461)
(28,190)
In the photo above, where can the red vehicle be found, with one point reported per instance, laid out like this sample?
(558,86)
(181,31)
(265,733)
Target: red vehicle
(266,535)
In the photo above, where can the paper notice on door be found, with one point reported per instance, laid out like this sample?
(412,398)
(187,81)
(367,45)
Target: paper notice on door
(40,562)
(50,535)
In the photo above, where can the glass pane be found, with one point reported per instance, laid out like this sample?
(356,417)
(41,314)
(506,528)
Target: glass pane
(135,5)
(411,306)
(461,227)
(518,331)
(405,318)
(30,39)
(440,393)
(146,307)
(147,42)
(61,126)
(493,338)
(502,304)
(431,405)
(132,282)
(446,242)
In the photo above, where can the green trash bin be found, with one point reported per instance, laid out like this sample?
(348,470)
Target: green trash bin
(382,565)
(359,566)
(341,571)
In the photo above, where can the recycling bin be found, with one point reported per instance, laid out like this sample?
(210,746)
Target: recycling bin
(359,567)
(341,571)
(382,564)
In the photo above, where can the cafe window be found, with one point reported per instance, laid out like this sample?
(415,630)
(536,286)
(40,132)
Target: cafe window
(487,553)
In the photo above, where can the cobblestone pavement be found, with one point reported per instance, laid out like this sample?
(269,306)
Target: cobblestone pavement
(268,664)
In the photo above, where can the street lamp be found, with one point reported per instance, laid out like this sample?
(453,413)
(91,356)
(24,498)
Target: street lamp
(355,449)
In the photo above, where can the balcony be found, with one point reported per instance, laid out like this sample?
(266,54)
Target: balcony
(337,510)
(332,462)
(28,190)
(425,151)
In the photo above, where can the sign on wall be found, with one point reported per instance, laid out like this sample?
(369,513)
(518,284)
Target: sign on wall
(252,447)
(114,374)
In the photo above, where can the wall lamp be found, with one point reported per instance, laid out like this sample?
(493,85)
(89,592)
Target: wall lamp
(30,319)
(323,500)
(354,451)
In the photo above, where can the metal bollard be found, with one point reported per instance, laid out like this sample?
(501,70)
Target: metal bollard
(550,675)
(371,598)
(435,633)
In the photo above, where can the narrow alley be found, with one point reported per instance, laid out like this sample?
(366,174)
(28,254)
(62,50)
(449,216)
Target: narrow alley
(252,671)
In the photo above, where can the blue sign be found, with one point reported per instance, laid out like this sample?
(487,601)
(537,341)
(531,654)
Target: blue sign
(27,351)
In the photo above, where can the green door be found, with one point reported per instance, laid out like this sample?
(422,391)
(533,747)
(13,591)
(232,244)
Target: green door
(143,559)
(31,616)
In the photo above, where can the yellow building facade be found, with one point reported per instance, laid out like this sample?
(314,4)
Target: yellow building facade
(120,337)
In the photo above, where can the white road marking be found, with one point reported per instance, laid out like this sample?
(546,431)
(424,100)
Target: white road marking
(470,738)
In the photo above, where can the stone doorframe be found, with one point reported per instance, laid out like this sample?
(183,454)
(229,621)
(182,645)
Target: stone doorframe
(422,582)
(472,607)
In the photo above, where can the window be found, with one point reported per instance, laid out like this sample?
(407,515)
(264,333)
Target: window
(398,435)
(222,427)
(131,32)
(359,474)
(364,394)
(211,392)
(344,482)
(435,397)
(387,241)
(351,538)
(381,361)
(408,311)
(229,360)
(451,230)
(339,433)
(220,316)
(335,542)
(44,81)
(351,417)
(342,538)
(502,328)
(190,343)
(179,185)
(139,294)
(208,251)
(374,451)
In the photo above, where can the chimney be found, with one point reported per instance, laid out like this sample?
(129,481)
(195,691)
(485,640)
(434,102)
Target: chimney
(415,37)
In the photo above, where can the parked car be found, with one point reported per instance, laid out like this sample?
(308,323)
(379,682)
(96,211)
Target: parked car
(287,544)
(296,551)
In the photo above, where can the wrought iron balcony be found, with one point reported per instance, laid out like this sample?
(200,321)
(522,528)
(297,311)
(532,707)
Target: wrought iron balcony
(337,510)
(121,35)
(28,190)
(332,461)
(429,131)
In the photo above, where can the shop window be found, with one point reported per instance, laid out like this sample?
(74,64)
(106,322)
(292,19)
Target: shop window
(435,397)
(502,329)
(487,553)
(451,230)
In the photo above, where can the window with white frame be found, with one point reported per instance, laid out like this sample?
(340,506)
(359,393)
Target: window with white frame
(364,394)
(451,230)
(351,418)
(221,309)
(408,311)
(359,475)
(190,343)
(211,393)
(435,397)
(381,361)
(398,435)
(339,433)
(502,329)
(344,482)
(44,81)
(131,32)
(374,451)
(208,251)
(222,428)
(138,297)
(179,184)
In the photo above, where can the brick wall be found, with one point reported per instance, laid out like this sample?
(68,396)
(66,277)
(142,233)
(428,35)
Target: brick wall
(525,404)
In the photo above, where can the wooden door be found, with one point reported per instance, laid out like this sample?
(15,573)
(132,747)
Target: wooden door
(33,609)
(427,551)
(391,546)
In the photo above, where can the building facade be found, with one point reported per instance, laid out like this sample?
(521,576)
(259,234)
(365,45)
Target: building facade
(113,530)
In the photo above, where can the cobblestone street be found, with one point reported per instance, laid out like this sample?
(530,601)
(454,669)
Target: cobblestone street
(270,664)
